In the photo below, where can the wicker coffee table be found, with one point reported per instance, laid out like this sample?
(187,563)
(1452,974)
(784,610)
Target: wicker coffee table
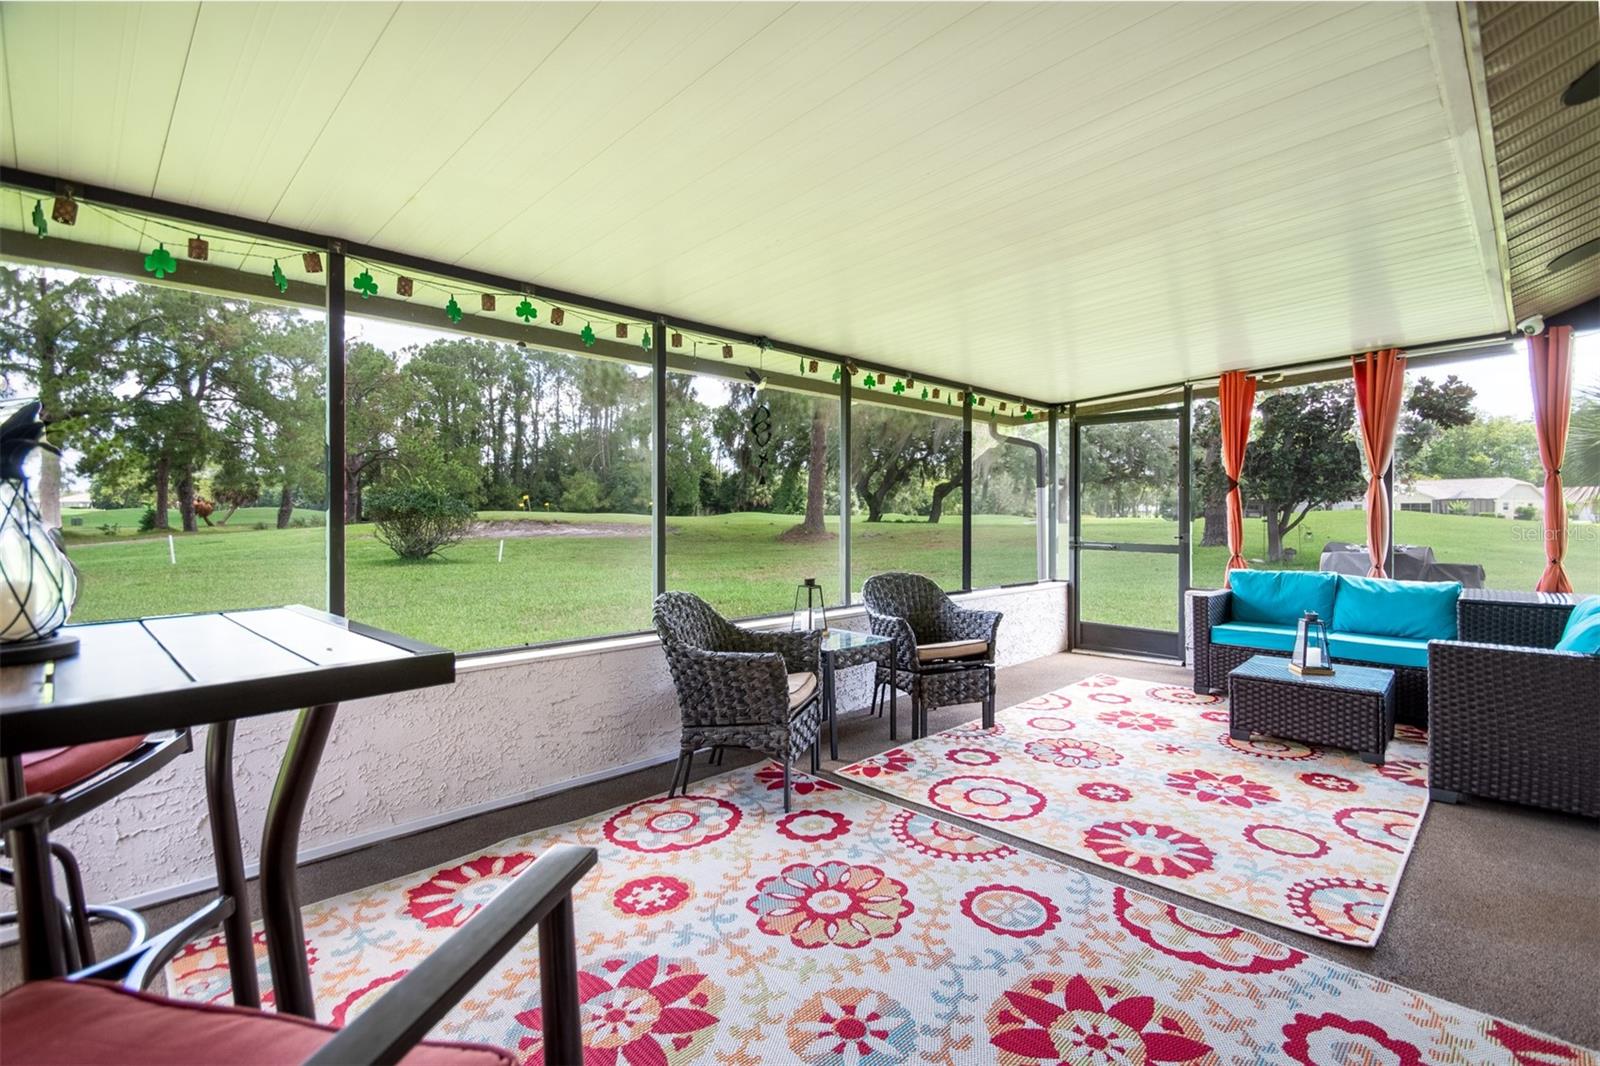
(1351,708)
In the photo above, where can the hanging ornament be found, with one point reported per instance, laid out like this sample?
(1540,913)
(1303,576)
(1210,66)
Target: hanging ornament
(279,278)
(899,388)
(1027,416)
(837,374)
(160,262)
(870,382)
(936,394)
(813,366)
(924,392)
(644,342)
(761,435)
(727,351)
(199,250)
(365,284)
(557,316)
(911,383)
(39,222)
(403,286)
(486,301)
(65,211)
(802,368)
(677,340)
(622,331)
(312,262)
(1002,406)
(982,400)
(587,333)
(452,310)
(526,311)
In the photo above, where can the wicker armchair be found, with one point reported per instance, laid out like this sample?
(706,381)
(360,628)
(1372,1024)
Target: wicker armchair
(1509,717)
(739,688)
(944,654)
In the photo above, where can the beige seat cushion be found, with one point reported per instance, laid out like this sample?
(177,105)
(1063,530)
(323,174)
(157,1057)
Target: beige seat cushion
(801,687)
(950,649)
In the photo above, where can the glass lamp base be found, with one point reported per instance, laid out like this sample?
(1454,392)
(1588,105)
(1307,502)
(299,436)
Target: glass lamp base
(18,652)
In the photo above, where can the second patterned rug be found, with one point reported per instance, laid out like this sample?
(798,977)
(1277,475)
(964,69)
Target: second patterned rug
(1143,778)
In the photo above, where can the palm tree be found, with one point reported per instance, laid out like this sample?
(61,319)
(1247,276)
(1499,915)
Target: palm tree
(1582,463)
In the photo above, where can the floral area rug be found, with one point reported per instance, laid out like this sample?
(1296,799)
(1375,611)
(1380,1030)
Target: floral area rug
(1144,778)
(717,929)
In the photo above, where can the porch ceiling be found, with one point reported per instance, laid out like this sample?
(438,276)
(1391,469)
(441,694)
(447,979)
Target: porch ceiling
(1060,200)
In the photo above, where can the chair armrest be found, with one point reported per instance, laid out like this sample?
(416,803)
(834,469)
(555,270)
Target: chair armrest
(403,1015)
(802,652)
(962,623)
(729,687)
(1208,607)
(1482,619)
(898,630)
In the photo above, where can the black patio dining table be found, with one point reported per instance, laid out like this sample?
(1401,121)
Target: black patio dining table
(180,671)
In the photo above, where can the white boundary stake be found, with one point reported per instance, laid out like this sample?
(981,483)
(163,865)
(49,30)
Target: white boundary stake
(172,551)
(500,557)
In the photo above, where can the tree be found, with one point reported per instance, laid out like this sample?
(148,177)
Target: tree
(1210,481)
(377,396)
(1582,463)
(1128,468)
(896,450)
(1430,409)
(1304,457)
(234,485)
(1490,447)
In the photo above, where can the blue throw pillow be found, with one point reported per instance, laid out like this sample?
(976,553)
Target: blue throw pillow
(1583,628)
(1382,607)
(1280,597)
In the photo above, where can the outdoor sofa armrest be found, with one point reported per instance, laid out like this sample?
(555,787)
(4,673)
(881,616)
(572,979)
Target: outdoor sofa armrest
(1520,623)
(540,895)
(729,687)
(1208,607)
(962,623)
(898,630)
(1515,723)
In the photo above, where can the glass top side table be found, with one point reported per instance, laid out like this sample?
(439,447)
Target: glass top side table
(842,649)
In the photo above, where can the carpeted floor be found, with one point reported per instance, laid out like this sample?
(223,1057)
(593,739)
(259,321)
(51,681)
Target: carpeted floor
(1498,910)
(852,931)
(1145,778)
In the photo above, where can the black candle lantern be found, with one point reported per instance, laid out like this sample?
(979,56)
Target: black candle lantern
(810,612)
(1310,655)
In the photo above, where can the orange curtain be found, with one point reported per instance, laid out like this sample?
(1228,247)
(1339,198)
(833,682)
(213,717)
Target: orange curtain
(1236,396)
(1550,367)
(1380,380)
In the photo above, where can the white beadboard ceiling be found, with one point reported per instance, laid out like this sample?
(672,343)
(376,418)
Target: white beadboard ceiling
(1062,201)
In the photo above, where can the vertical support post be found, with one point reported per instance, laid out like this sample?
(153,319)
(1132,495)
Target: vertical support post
(658,460)
(1053,422)
(1074,528)
(334,438)
(844,487)
(1185,524)
(966,491)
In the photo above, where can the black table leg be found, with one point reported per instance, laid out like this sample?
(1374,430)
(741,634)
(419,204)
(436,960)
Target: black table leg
(894,695)
(38,912)
(228,853)
(830,701)
(280,845)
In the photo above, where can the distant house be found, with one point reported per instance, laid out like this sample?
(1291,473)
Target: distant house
(1584,500)
(1473,495)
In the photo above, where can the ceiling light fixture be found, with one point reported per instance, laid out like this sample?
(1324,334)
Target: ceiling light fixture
(1585,88)
(1576,255)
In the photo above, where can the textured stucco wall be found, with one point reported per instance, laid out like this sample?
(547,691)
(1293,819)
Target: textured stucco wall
(503,730)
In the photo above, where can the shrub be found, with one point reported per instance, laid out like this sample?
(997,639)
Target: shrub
(110,528)
(1525,513)
(582,494)
(417,521)
(147,521)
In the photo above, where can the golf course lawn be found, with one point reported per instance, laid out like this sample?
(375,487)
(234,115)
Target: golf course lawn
(551,587)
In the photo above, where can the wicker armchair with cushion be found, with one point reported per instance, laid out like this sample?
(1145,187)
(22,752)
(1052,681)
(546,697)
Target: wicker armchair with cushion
(944,654)
(739,687)
(1514,704)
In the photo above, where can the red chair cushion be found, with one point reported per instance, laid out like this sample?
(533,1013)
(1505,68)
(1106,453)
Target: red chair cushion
(83,1023)
(61,768)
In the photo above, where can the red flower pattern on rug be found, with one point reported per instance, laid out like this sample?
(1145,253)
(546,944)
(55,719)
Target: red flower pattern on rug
(1082,754)
(1062,1018)
(832,904)
(799,784)
(942,840)
(646,897)
(1329,782)
(813,826)
(1104,792)
(1340,908)
(1199,939)
(1233,789)
(893,761)
(1329,1038)
(675,824)
(636,1012)
(986,797)
(1413,772)
(1155,850)
(456,893)
(1011,910)
(1144,721)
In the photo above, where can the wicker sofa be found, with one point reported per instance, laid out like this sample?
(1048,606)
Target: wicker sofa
(1511,718)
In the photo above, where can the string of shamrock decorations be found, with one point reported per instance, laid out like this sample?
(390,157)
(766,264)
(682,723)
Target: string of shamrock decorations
(161,264)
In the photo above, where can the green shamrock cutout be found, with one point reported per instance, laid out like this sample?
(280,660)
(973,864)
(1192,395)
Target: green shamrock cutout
(644,342)
(279,278)
(38,218)
(924,392)
(899,388)
(365,284)
(588,335)
(971,399)
(836,373)
(1027,416)
(452,310)
(526,311)
(870,382)
(160,262)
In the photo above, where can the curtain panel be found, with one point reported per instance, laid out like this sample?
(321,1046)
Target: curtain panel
(1236,395)
(1550,370)
(1380,380)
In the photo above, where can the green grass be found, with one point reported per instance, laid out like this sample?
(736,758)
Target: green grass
(556,587)
(126,522)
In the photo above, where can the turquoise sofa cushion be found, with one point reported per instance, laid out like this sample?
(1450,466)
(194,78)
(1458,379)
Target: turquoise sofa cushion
(1280,597)
(1381,607)
(1582,633)
(1389,651)
(1254,635)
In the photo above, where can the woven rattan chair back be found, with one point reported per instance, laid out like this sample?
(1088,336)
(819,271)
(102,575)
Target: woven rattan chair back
(909,596)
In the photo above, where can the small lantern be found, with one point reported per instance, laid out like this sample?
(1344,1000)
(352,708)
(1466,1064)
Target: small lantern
(727,351)
(198,249)
(622,330)
(809,611)
(557,316)
(65,211)
(312,262)
(404,286)
(486,301)
(38,585)
(677,339)
(1310,655)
